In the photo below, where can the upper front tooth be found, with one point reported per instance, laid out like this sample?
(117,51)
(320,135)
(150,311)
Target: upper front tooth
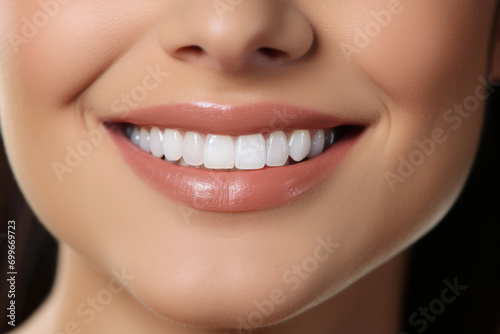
(250,152)
(144,141)
(277,149)
(317,144)
(219,152)
(156,142)
(173,141)
(300,144)
(193,147)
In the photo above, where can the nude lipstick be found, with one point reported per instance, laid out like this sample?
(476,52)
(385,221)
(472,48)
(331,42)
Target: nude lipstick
(232,158)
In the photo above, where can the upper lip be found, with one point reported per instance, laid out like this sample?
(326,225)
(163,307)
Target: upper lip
(233,119)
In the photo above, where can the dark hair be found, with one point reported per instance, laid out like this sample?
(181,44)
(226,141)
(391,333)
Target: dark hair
(36,250)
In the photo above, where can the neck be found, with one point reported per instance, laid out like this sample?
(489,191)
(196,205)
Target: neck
(85,301)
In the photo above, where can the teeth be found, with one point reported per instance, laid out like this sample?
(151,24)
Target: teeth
(172,144)
(230,153)
(300,144)
(135,137)
(277,149)
(144,140)
(329,138)
(219,152)
(250,152)
(156,142)
(192,150)
(317,144)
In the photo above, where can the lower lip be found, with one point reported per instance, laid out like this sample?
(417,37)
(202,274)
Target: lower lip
(233,191)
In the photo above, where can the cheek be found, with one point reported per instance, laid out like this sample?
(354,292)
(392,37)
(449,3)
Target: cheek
(427,62)
(429,72)
(48,56)
(409,48)
(57,51)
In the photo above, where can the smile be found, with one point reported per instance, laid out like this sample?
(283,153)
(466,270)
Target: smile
(273,153)
(231,153)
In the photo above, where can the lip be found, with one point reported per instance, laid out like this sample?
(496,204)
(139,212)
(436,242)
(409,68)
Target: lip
(234,120)
(239,190)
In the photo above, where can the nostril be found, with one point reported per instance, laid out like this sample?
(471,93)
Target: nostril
(191,50)
(272,54)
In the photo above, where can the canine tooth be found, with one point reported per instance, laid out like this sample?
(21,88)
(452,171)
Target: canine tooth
(250,152)
(156,142)
(192,149)
(172,144)
(144,141)
(218,152)
(277,149)
(300,144)
(135,137)
(317,143)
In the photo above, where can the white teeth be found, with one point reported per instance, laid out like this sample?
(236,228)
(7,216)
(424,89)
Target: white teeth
(317,144)
(173,141)
(230,153)
(193,147)
(219,152)
(277,149)
(144,140)
(250,152)
(135,137)
(156,142)
(329,138)
(300,144)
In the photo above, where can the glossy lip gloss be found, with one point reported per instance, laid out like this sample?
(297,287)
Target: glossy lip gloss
(239,190)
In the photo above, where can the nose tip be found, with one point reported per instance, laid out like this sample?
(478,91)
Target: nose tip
(253,34)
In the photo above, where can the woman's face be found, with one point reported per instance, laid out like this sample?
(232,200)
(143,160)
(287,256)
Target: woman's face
(403,81)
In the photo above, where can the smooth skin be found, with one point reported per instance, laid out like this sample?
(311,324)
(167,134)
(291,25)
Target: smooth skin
(207,272)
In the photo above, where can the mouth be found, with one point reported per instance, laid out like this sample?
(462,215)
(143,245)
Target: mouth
(232,158)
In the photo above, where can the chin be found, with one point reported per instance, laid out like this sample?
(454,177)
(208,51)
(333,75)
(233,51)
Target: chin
(191,283)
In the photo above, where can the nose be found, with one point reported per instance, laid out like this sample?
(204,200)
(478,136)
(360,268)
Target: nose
(236,34)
